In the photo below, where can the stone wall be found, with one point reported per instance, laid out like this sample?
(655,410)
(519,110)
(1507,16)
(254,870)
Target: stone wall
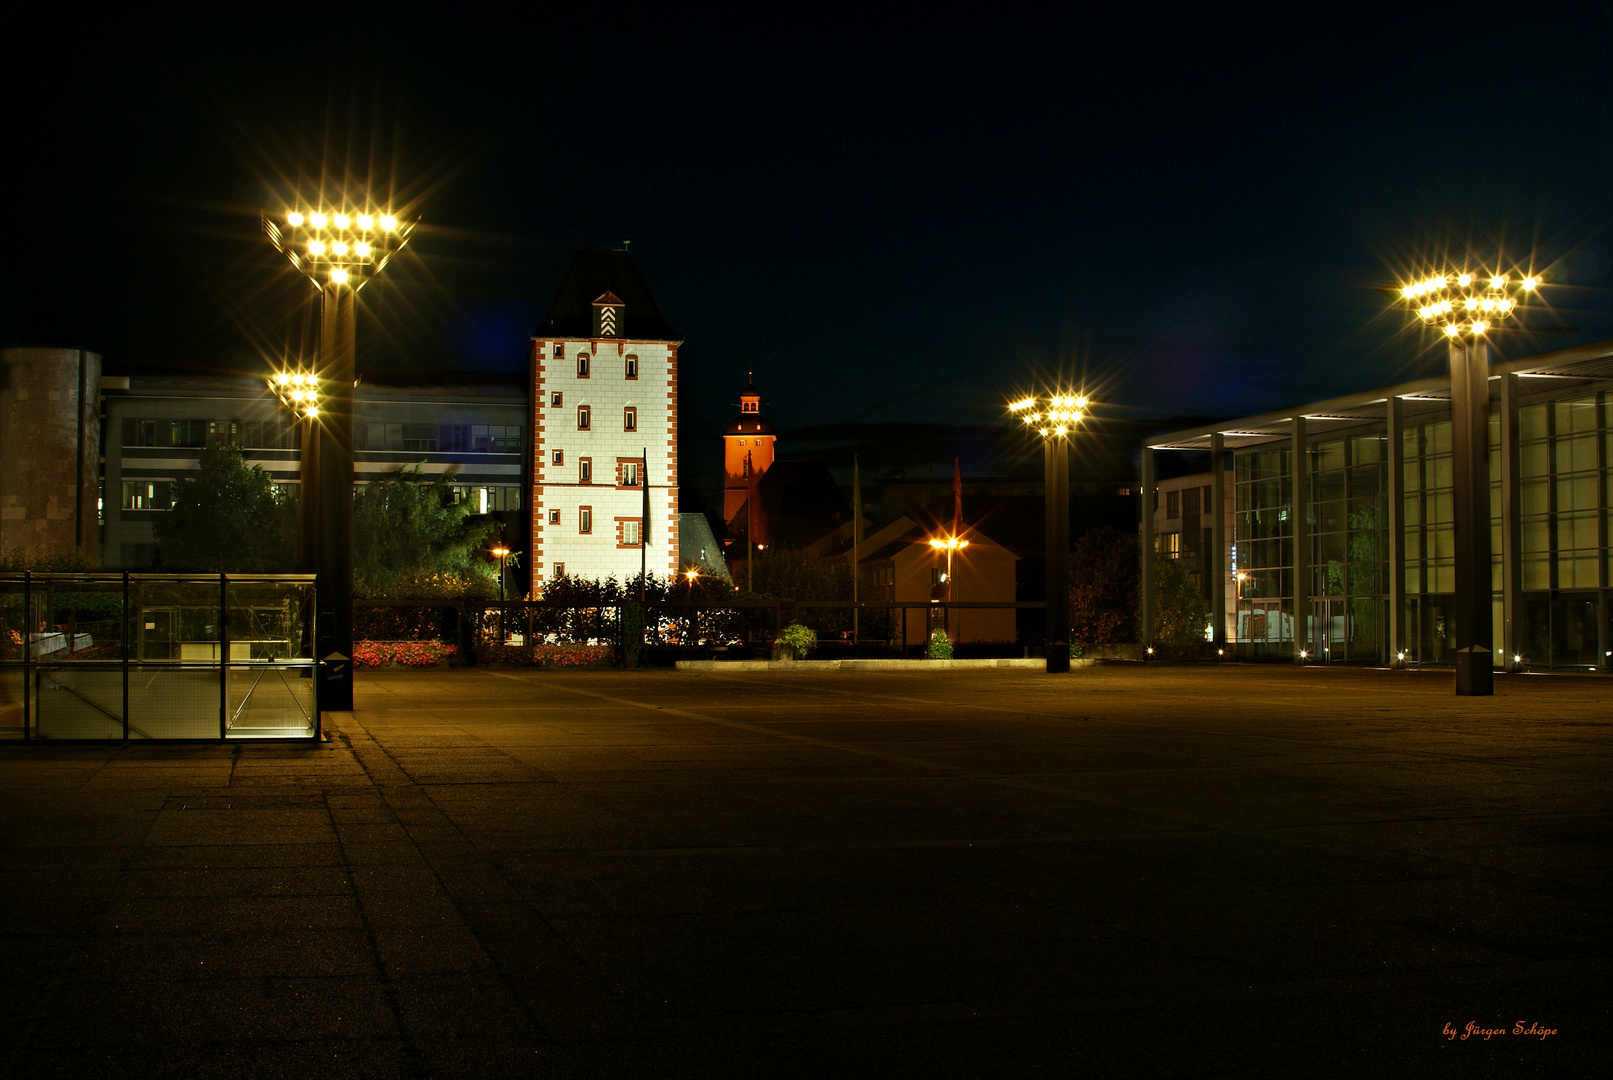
(50,450)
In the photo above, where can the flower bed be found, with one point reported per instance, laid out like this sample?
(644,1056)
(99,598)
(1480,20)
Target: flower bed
(547,656)
(402,653)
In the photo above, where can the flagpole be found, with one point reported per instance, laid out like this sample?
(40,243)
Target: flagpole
(856,535)
(957,530)
(750,528)
(644,530)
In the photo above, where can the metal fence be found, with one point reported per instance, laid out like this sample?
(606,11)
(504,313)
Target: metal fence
(157,656)
(514,630)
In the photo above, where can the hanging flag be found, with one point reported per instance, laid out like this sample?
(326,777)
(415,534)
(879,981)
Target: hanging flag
(957,500)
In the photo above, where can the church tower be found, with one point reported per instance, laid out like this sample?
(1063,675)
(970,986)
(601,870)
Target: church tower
(747,435)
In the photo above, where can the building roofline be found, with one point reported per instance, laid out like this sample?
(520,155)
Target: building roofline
(1583,363)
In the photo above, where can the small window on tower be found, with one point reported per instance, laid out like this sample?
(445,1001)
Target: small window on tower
(632,367)
(554,517)
(558,457)
(630,419)
(559,351)
(556,400)
(582,418)
(559,570)
(585,470)
(582,365)
(585,519)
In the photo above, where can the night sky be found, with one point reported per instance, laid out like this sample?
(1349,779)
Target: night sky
(890,215)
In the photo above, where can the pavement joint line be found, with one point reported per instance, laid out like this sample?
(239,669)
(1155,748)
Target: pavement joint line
(389,986)
(1167,726)
(956,771)
(499,967)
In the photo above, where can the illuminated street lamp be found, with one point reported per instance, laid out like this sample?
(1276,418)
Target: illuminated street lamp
(339,249)
(300,392)
(503,553)
(1467,307)
(1055,419)
(949,545)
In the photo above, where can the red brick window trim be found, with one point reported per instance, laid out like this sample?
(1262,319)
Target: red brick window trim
(629,532)
(629,472)
(585,470)
(632,366)
(630,418)
(558,457)
(557,399)
(585,519)
(582,365)
(584,418)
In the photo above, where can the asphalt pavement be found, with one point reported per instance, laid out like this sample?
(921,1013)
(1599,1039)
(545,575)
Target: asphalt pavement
(1123,871)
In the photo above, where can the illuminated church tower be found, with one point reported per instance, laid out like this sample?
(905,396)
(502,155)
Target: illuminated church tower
(747,434)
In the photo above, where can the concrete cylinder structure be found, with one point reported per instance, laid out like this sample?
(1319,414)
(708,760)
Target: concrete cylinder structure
(50,454)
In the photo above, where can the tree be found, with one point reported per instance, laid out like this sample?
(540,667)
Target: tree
(409,535)
(791,574)
(228,518)
(1104,586)
(1180,611)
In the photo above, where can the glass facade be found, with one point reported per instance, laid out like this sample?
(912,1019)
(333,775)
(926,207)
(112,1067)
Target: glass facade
(1565,486)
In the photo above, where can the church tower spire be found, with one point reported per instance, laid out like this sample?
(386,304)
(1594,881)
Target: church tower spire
(748,435)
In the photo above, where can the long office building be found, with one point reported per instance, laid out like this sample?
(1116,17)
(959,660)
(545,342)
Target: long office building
(472,427)
(1337,543)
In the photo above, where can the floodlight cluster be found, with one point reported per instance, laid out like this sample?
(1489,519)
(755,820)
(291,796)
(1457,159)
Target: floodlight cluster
(1051,417)
(339,246)
(297,391)
(1466,303)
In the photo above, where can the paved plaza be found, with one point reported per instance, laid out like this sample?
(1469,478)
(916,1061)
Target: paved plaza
(1125,871)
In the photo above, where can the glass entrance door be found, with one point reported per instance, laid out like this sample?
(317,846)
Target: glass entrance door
(1329,635)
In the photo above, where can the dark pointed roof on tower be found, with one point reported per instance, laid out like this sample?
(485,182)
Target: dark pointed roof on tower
(595,272)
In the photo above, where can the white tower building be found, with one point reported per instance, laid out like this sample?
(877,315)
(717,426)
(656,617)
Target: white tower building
(604,370)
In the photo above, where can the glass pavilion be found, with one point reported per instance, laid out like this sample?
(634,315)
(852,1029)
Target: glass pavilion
(1351,556)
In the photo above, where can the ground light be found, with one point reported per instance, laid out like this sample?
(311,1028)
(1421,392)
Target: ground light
(1054,419)
(1465,307)
(339,249)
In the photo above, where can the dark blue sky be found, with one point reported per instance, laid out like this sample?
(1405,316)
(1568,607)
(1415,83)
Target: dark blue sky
(895,214)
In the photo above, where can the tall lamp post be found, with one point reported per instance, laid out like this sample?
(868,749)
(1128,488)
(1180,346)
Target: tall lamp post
(1467,307)
(339,249)
(1055,419)
(503,553)
(949,545)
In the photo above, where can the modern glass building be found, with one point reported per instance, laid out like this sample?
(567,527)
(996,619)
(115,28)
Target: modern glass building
(1340,541)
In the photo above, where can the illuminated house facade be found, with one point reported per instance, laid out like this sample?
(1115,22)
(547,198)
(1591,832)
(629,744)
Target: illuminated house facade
(604,417)
(1351,555)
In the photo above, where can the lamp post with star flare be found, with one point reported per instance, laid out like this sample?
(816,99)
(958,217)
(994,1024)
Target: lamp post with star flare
(1468,307)
(1055,418)
(339,249)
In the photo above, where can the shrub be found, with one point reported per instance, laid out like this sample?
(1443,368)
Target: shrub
(547,656)
(940,647)
(798,637)
(407,653)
